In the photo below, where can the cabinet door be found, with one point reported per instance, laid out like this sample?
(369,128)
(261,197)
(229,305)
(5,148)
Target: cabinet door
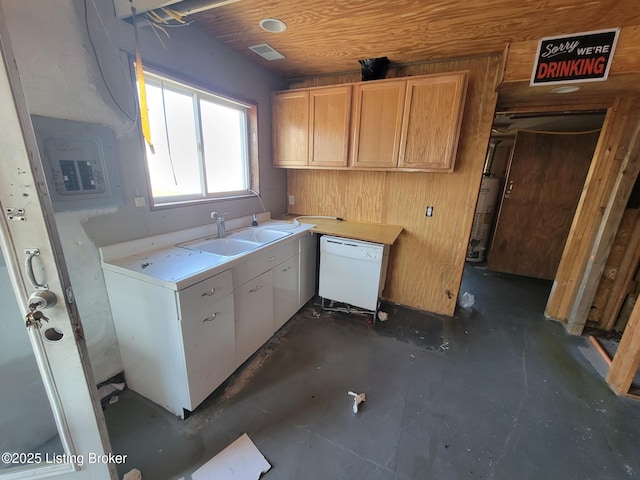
(308,268)
(206,324)
(329,114)
(253,304)
(290,128)
(285,291)
(431,121)
(209,348)
(377,120)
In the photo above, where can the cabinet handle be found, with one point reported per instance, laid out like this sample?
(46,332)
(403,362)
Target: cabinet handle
(208,294)
(254,290)
(286,269)
(271,259)
(211,318)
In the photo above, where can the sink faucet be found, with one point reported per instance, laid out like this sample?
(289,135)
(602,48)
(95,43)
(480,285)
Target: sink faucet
(219,219)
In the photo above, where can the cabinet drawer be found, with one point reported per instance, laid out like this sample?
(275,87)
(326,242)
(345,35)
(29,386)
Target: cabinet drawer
(204,293)
(263,261)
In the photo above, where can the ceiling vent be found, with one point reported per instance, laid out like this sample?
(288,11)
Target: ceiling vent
(266,51)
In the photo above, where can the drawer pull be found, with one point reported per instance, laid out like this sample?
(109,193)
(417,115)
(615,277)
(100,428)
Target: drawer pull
(286,269)
(271,259)
(255,289)
(209,293)
(211,318)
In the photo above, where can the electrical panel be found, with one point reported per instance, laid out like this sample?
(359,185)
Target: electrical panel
(79,163)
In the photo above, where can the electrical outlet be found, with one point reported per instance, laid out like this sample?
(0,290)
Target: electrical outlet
(429,211)
(292,200)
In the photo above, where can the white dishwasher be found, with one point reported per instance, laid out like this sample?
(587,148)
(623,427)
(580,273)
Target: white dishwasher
(352,271)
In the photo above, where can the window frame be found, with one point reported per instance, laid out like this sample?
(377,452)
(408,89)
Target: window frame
(185,84)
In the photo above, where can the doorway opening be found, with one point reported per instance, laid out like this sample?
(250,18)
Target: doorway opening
(535,169)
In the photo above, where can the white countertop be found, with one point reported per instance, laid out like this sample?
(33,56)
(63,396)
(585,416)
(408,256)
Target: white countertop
(158,259)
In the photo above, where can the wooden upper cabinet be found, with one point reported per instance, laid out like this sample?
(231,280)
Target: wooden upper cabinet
(377,123)
(408,123)
(431,122)
(290,128)
(329,117)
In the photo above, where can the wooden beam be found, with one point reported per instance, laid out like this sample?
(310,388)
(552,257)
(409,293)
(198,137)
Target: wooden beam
(624,276)
(627,358)
(542,109)
(619,196)
(603,198)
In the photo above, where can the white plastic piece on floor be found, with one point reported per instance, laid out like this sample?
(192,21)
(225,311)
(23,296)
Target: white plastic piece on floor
(134,474)
(358,398)
(383,316)
(239,461)
(466,300)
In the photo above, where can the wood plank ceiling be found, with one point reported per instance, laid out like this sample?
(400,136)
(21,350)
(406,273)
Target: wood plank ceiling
(328,37)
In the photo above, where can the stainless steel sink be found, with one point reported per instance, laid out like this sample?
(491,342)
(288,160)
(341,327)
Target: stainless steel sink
(236,242)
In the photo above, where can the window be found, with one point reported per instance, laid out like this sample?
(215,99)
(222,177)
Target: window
(201,147)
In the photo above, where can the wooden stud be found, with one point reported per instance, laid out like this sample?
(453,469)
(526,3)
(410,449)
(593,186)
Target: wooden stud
(615,139)
(627,358)
(624,276)
(627,159)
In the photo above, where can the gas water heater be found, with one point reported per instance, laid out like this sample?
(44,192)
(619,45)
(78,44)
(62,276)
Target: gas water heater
(485,210)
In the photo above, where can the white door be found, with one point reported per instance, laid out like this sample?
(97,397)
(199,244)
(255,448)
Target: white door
(51,421)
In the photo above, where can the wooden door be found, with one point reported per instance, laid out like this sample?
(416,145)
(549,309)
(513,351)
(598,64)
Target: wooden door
(290,128)
(431,122)
(545,178)
(329,117)
(377,119)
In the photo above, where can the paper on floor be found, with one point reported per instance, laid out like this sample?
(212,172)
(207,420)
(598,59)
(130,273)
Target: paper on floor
(239,461)
(134,474)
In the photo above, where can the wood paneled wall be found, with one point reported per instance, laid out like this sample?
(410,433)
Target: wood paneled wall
(427,261)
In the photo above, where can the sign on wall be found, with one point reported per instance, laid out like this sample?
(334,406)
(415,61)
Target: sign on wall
(581,57)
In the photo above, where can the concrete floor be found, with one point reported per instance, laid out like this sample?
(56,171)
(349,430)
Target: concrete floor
(497,392)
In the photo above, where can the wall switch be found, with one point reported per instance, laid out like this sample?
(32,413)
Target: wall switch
(429,211)
(139,201)
(292,200)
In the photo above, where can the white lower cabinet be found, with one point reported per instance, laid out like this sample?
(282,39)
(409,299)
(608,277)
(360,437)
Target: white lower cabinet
(208,334)
(177,347)
(286,291)
(253,303)
(308,267)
